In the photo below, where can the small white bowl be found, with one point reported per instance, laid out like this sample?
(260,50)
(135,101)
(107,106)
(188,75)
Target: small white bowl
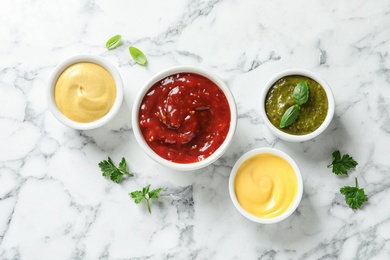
(297,172)
(77,59)
(184,166)
(291,137)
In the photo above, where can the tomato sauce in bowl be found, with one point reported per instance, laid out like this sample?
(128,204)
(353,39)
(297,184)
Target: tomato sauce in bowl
(184,118)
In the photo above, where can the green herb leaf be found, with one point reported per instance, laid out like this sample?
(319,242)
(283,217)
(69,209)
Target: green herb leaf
(113,42)
(123,165)
(145,194)
(109,170)
(154,193)
(137,55)
(145,190)
(301,93)
(354,196)
(342,164)
(138,196)
(300,96)
(289,116)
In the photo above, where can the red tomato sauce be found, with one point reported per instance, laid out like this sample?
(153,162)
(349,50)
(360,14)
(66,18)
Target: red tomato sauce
(184,118)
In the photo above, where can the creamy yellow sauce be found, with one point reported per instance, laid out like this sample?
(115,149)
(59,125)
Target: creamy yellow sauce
(85,92)
(265,185)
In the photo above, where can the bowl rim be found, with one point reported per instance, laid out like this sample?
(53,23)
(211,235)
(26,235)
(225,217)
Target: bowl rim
(298,174)
(321,128)
(64,64)
(221,149)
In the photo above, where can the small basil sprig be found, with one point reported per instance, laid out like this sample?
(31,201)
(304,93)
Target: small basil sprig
(113,42)
(300,96)
(137,55)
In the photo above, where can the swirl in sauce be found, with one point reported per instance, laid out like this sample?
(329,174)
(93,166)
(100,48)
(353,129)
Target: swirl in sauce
(184,118)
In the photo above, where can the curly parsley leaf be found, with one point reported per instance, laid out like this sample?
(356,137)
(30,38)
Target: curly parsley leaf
(342,164)
(354,196)
(145,194)
(138,196)
(111,171)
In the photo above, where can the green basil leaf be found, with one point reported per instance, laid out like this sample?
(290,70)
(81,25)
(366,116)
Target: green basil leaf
(137,55)
(113,42)
(289,116)
(301,93)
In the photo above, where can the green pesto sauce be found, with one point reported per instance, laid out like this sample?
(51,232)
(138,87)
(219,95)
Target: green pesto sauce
(311,115)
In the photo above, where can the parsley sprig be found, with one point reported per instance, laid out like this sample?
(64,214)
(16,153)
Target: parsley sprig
(145,194)
(342,164)
(111,171)
(354,196)
(116,174)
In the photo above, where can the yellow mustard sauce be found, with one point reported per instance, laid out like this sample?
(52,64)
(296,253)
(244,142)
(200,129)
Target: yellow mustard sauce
(85,92)
(266,185)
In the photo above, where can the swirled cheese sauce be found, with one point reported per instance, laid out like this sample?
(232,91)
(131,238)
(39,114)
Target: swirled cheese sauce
(266,185)
(85,92)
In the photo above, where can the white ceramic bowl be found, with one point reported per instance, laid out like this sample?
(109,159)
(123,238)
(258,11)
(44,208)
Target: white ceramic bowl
(84,58)
(321,128)
(233,196)
(184,166)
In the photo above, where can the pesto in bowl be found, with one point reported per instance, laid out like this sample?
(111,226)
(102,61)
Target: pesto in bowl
(311,114)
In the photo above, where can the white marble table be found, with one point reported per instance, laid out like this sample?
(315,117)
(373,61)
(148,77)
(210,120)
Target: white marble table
(54,203)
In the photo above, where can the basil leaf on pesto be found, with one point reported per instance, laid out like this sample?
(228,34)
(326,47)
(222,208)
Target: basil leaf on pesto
(289,116)
(113,42)
(137,55)
(301,93)
(311,114)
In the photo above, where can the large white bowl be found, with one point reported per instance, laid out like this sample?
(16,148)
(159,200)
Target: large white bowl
(232,192)
(77,59)
(291,137)
(184,166)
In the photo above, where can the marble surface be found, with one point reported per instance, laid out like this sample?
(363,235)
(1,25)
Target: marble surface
(54,203)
